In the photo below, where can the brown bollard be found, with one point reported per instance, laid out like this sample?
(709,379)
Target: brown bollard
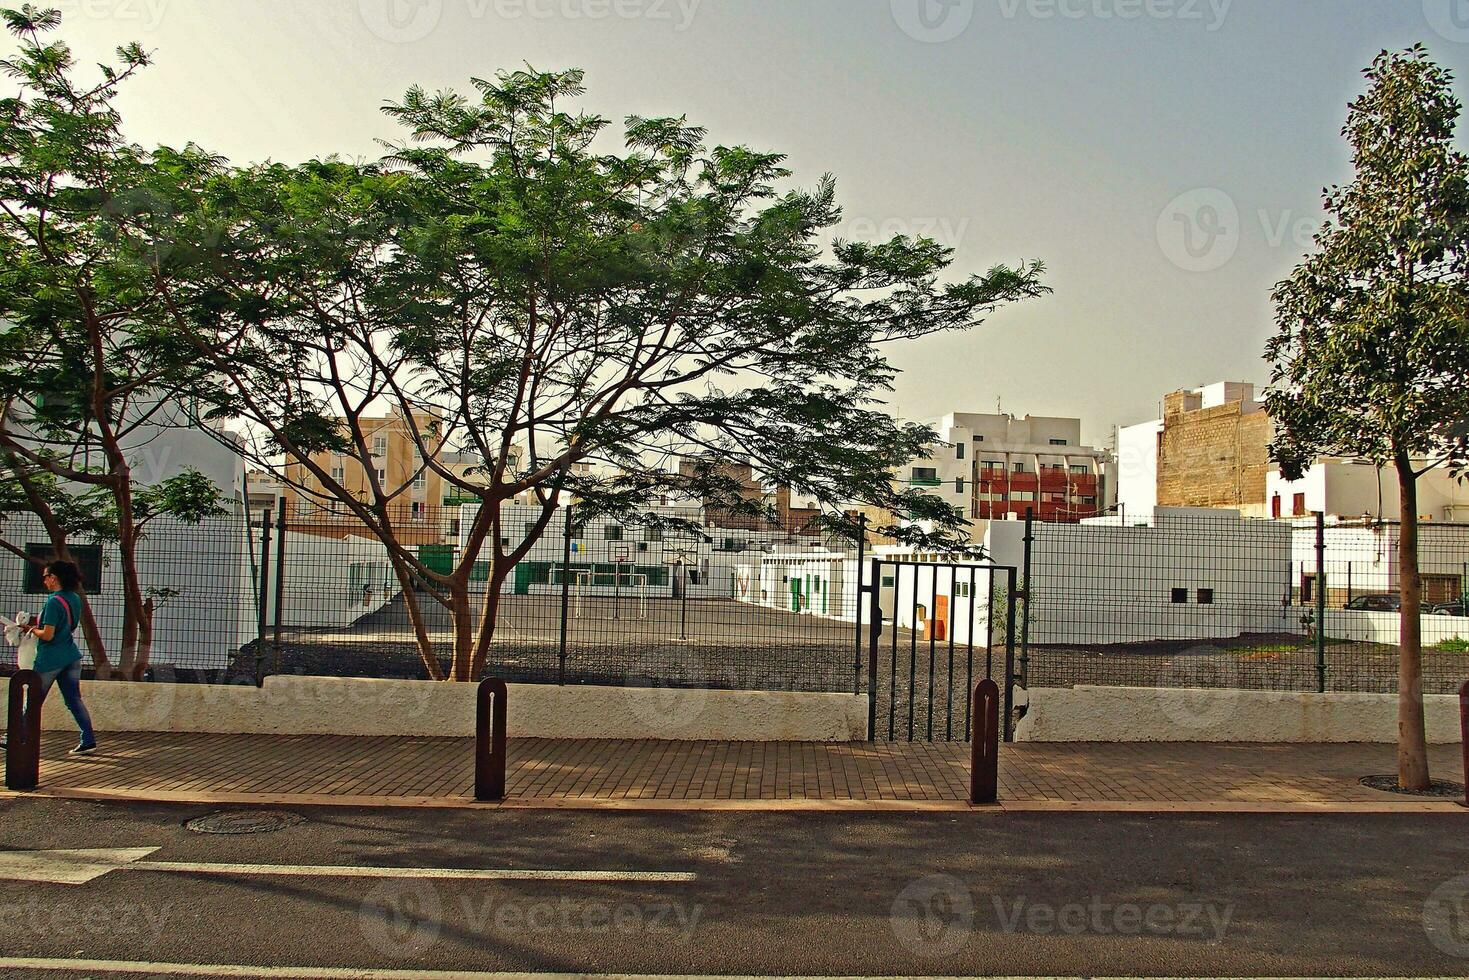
(23,732)
(1464,736)
(489,741)
(984,746)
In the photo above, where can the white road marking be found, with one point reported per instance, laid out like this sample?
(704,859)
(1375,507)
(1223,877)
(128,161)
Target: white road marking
(68,867)
(360,973)
(470,874)
(77,867)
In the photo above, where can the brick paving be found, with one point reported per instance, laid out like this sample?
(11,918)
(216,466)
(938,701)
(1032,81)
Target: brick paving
(338,768)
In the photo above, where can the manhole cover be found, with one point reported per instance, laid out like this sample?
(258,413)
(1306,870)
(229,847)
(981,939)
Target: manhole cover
(1441,789)
(244,822)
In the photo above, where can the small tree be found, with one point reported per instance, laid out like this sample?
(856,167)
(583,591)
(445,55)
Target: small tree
(506,279)
(1372,355)
(87,375)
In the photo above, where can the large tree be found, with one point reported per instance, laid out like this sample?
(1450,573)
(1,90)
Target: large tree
(1372,355)
(90,365)
(510,276)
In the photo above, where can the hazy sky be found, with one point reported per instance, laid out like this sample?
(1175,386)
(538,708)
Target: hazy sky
(1164,157)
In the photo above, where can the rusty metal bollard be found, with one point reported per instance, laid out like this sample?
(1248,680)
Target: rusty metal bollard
(984,747)
(489,740)
(23,732)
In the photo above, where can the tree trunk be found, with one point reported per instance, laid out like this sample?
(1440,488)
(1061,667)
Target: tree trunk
(1412,733)
(93,636)
(415,617)
(489,617)
(462,614)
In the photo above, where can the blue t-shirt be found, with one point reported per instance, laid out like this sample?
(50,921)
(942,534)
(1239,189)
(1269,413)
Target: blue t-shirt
(62,651)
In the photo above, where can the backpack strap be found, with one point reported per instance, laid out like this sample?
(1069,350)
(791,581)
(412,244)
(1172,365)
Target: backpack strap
(71,620)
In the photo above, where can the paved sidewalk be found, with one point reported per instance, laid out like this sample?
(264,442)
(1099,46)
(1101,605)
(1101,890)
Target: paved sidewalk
(640,774)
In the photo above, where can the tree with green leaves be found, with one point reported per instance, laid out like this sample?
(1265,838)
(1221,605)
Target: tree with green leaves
(90,366)
(508,278)
(1371,359)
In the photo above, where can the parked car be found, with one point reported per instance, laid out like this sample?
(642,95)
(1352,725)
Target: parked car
(1458,607)
(1377,602)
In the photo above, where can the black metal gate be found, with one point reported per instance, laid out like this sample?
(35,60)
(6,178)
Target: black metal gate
(933,631)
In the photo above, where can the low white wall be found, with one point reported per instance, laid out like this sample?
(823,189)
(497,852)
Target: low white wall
(1384,627)
(352,706)
(1134,714)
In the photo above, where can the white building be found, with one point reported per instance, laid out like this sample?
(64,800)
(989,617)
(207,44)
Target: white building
(989,466)
(1358,489)
(1174,573)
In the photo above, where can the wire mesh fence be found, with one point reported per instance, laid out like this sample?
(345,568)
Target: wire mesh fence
(690,596)
(1211,599)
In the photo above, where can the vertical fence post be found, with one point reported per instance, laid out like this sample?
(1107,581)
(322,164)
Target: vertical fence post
(280,582)
(23,731)
(984,747)
(1025,587)
(1464,735)
(1350,594)
(565,597)
(1321,601)
(874,637)
(1011,605)
(857,636)
(262,595)
(489,740)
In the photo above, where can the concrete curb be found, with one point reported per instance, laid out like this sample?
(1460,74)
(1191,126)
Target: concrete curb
(105,795)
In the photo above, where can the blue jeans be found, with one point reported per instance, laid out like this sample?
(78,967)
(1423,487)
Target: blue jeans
(69,679)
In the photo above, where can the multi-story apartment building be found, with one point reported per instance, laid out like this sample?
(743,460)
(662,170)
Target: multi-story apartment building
(425,505)
(989,467)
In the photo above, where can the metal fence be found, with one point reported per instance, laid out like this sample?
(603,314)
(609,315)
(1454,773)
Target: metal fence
(1211,599)
(688,597)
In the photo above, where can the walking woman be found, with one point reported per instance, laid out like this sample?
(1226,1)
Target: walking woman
(58,658)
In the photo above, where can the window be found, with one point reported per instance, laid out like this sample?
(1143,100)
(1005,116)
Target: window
(1089,501)
(652,534)
(1080,469)
(420,480)
(993,465)
(1180,596)
(530,528)
(1298,505)
(925,476)
(417,511)
(382,476)
(959,484)
(1019,467)
(1023,496)
(1059,442)
(642,546)
(87,556)
(612,532)
(979,438)
(339,472)
(379,445)
(887,581)
(504,544)
(1206,597)
(959,451)
(1275,506)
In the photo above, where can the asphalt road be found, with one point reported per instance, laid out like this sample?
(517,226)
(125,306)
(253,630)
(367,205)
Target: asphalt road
(860,894)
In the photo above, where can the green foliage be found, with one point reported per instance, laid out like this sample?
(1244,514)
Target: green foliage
(666,303)
(1372,355)
(1453,645)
